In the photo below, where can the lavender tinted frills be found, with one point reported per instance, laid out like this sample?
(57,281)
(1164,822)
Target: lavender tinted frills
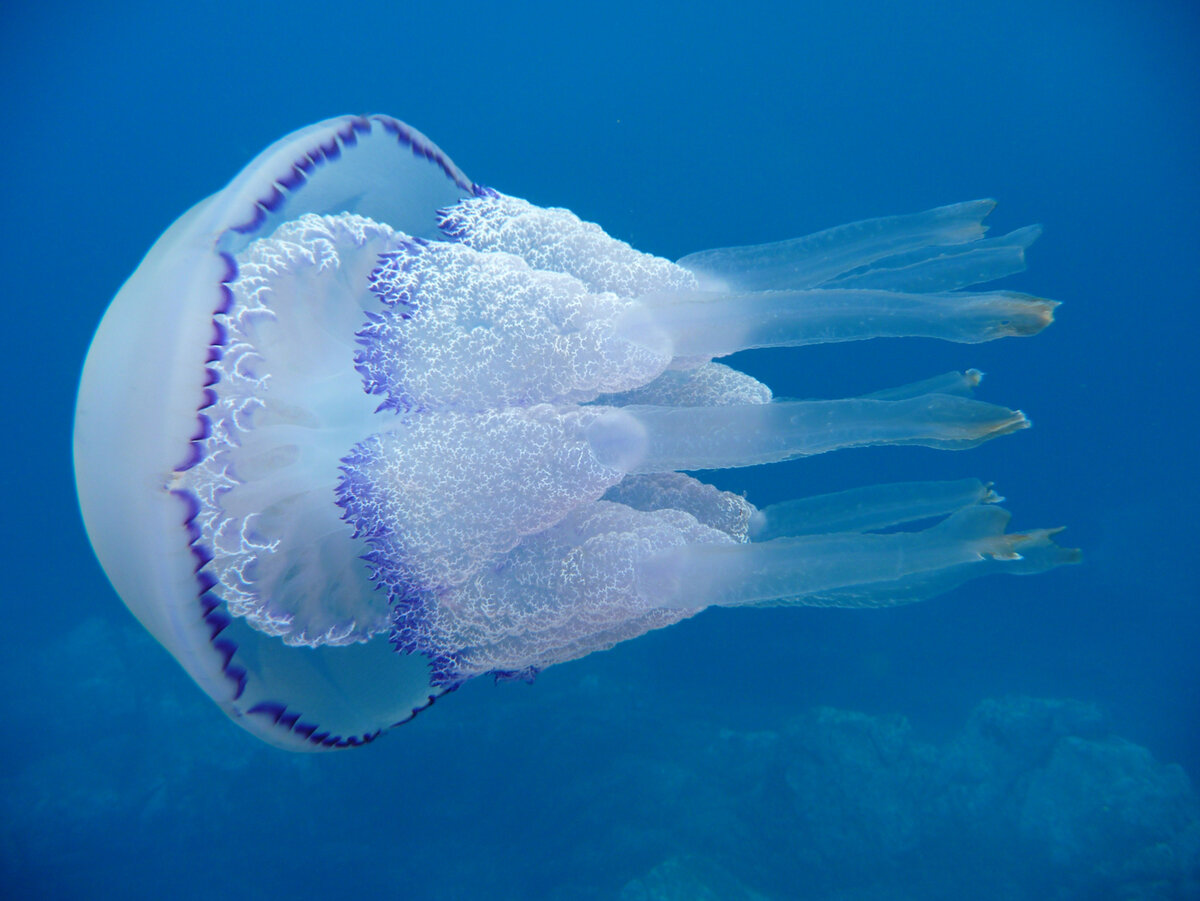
(248,384)
(380,340)
(478,508)
(462,329)
(481,505)
(560,593)
(364,508)
(556,240)
(565,592)
(442,496)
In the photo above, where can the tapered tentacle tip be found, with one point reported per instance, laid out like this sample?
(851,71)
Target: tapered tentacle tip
(1014,423)
(986,429)
(978,210)
(1046,308)
(972,227)
(990,495)
(992,422)
(1029,316)
(1035,547)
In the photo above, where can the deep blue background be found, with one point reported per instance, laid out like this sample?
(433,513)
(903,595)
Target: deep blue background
(677,127)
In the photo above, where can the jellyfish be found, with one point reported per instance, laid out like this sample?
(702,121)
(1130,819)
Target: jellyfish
(359,429)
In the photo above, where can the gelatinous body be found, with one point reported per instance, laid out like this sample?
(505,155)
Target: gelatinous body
(359,429)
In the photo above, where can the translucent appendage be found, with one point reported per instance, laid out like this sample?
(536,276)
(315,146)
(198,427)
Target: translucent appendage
(660,439)
(815,259)
(715,325)
(852,569)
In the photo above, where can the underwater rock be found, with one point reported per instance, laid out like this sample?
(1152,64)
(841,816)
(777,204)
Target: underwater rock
(1034,793)
(1030,799)
(984,772)
(1109,808)
(867,769)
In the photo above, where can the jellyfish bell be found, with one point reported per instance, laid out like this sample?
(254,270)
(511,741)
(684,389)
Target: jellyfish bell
(141,409)
(358,429)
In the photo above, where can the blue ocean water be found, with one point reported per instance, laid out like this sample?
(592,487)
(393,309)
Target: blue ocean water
(1017,738)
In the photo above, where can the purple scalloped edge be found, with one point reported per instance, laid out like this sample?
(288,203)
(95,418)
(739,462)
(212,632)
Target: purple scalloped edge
(345,137)
(216,616)
(213,610)
(292,721)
